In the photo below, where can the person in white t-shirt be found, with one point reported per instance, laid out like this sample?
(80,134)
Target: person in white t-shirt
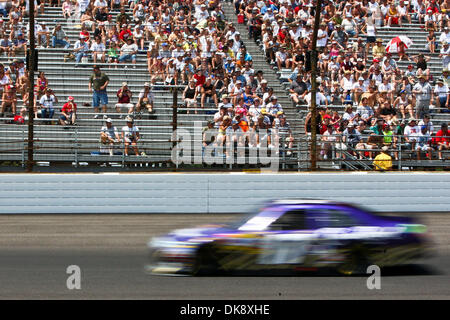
(411,133)
(322,36)
(128,52)
(440,95)
(130,136)
(98,50)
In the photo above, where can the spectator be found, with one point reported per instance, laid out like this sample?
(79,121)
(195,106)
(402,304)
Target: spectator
(208,90)
(423,92)
(67,8)
(59,37)
(47,104)
(442,140)
(411,133)
(124,96)
(68,112)
(383,161)
(440,96)
(43,34)
(9,99)
(6,45)
(146,99)
(81,49)
(98,50)
(130,136)
(109,136)
(423,143)
(98,83)
(19,45)
(128,52)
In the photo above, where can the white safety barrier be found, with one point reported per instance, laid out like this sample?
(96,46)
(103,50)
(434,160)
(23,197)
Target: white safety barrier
(217,193)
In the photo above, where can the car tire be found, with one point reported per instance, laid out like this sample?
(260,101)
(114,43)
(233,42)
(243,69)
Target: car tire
(205,263)
(355,263)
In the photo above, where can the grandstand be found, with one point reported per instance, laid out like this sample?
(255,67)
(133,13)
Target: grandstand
(80,143)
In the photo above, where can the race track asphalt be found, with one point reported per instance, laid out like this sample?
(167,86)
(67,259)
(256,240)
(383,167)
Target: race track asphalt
(35,251)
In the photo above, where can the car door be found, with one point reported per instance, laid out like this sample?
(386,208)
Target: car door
(286,239)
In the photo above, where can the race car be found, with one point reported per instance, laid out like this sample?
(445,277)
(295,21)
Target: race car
(289,237)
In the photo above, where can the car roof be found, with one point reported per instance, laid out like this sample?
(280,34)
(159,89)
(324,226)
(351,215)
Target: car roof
(302,201)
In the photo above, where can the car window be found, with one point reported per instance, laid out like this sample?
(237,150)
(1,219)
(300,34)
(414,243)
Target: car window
(330,218)
(291,220)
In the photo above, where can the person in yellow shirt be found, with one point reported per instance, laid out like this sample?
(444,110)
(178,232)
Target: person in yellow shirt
(383,161)
(378,49)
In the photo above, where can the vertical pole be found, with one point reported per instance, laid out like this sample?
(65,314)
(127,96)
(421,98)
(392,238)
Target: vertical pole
(313,153)
(31,67)
(174,116)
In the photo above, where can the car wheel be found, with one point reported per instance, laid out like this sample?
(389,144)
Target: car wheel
(356,262)
(205,263)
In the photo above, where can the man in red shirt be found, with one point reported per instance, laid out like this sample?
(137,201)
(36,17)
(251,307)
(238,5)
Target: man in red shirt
(68,112)
(125,33)
(124,94)
(199,78)
(442,139)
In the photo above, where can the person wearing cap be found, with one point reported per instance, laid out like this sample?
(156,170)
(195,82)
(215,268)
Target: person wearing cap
(59,37)
(444,54)
(68,112)
(47,104)
(123,17)
(6,45)
(440,96)
(445,35)
(442,140)
(146,99)
(80,49)
(273,107)
(383,161)
(430,19)
(411,133)
(378,50)
(350,26)
(423,91)
(130,136)
(128,51)
(338,35)
(124,96)
(392,16)
(43,34)
(109,136)
(359,87)
(19,45)
(423,143)
(9,99)
(98,82)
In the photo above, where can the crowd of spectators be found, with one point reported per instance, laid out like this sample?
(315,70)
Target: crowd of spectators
(190,43)
(354,68)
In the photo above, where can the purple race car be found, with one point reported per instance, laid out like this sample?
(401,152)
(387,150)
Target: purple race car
(292,236)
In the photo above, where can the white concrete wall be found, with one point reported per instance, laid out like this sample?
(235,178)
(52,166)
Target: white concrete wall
(216,193)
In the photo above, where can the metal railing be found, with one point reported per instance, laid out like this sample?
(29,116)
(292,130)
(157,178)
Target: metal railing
(231,151)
